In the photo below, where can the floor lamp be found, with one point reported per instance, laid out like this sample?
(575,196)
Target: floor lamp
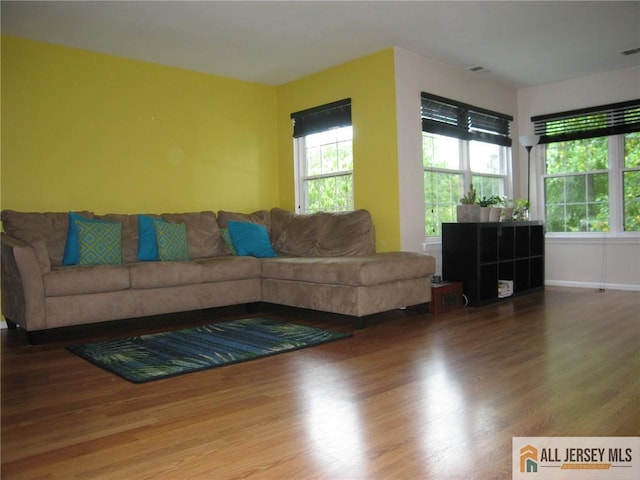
(528,142)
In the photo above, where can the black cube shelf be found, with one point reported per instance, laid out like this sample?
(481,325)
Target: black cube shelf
(482,254)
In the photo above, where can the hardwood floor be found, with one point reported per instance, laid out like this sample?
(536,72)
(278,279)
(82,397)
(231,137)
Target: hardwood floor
(408,397)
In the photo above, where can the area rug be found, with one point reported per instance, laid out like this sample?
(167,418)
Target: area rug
(160,355)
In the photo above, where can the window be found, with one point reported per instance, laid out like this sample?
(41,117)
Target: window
(592,168)
(323,150)
(461,145)
(631,182)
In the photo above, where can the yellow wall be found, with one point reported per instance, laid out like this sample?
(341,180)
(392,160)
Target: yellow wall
(82,130)
(370,83)
(87,131)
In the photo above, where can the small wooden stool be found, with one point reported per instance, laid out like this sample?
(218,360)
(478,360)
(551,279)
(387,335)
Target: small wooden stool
(446,296)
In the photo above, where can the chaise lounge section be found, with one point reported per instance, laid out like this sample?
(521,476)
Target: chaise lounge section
(321,261)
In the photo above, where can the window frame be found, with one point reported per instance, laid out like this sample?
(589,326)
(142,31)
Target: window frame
(615,172)
(301,176)
(315,120)
(466,123)
(612,121)
(464,163)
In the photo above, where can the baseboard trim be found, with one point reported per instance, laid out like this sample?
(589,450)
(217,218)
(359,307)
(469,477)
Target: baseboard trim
(593,285)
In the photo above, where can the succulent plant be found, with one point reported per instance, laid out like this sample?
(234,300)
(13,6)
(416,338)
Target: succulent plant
(470,197)
(491,201)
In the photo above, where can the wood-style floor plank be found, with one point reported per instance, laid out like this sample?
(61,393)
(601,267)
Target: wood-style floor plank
(409,396)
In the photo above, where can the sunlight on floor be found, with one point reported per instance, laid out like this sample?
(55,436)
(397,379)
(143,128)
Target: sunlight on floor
(333,421)
(445,432)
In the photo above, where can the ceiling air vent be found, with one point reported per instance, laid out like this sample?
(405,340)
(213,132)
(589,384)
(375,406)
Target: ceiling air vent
(631,51)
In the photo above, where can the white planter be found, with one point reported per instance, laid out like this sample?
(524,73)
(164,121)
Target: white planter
(494,214)
(468,213)
(484,214)
(506,215)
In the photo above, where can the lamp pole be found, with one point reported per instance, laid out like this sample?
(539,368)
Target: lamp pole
(529,147)
(528,142)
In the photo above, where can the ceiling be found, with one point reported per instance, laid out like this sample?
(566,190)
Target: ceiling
(517,43)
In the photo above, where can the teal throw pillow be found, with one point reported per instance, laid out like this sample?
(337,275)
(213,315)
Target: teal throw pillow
(100,243)
(147,239)
(72,246)
(172,241)
(250,239)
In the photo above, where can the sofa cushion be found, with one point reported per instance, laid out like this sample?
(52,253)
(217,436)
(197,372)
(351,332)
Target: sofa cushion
(346,233)
(250,239)
(294,235)
(172,241)
(50,227)
(79,280)
(322,234)
(203,233)
(164,274)
(220,269)
(129,233)
(100,242)
(351,270)
(261,217)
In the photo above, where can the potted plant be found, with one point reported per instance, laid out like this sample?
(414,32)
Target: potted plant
(506,215)
(486,205)
(468,211)
(521,210)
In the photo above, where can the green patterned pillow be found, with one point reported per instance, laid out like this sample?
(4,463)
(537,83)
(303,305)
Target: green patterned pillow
(100,243)
(227,240)
(172,241)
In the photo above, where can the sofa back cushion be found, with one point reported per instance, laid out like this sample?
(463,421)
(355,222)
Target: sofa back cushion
(50,227)
(203,234)
(322,234)
(129,233)
(261,217)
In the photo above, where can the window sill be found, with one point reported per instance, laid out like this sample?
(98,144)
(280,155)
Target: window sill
(627,238)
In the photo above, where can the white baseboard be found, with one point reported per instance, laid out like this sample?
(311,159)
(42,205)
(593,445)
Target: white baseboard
(593,285)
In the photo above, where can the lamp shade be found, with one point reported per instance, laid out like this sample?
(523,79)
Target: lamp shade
(529,140)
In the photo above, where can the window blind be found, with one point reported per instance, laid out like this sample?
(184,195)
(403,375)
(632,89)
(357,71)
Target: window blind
(448,117)
(600,121)
(323,117)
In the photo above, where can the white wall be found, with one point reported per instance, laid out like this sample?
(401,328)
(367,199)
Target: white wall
(583,262)
(606,262)
(416,74)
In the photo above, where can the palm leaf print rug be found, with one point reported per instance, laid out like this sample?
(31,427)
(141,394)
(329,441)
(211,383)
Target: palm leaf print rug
(160,355)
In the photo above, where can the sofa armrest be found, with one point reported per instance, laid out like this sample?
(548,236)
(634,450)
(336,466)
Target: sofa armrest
(22,282)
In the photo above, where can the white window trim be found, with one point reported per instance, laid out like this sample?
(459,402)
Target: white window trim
(298,158)
(616,200)
(464,152)
(299,166)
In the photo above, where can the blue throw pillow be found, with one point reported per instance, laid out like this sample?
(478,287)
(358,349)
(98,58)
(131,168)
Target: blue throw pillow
(72,247)
(250,239)
(147,239)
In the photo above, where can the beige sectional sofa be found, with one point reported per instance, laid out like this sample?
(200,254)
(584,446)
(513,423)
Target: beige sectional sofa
(325,261)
